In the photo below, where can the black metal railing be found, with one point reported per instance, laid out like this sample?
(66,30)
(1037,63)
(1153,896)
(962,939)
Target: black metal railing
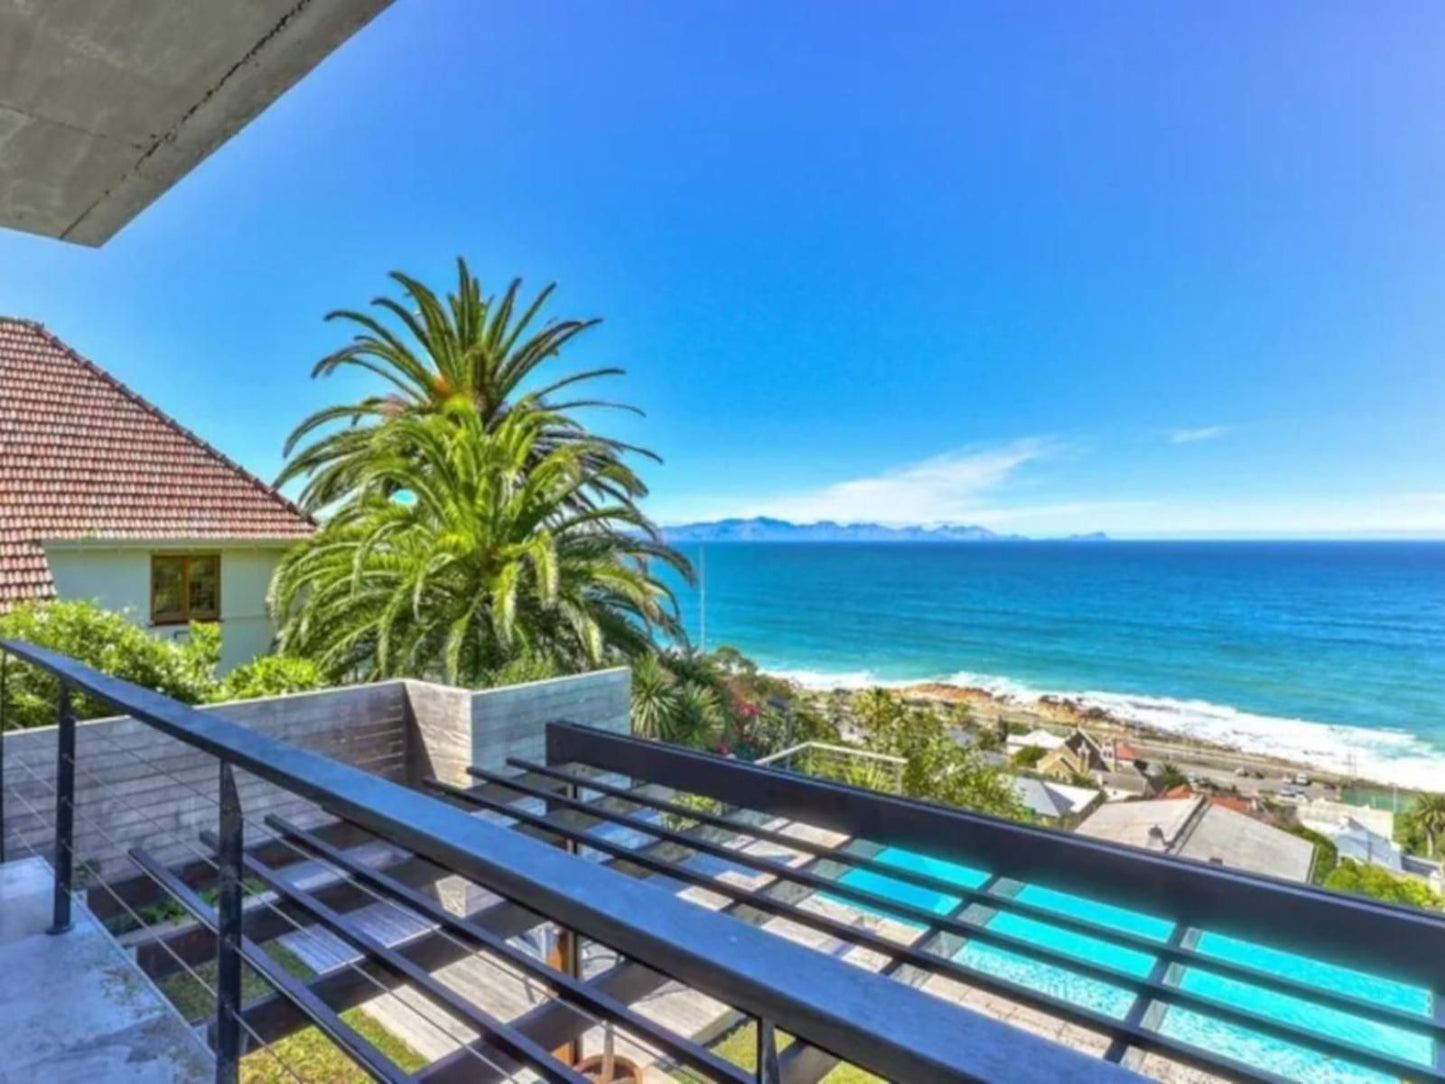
(882,1025)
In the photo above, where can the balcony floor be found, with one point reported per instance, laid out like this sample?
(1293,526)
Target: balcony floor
(75,1007)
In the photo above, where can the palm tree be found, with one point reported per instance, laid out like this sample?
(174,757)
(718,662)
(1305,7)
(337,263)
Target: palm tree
(669,704)
(465,550)
(468,349)
(1428,814)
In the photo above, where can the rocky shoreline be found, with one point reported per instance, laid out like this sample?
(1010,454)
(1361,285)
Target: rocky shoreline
(988,708)
(1277,760)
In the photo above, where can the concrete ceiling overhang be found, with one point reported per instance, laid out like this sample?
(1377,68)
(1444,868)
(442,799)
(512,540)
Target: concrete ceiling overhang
(104,104)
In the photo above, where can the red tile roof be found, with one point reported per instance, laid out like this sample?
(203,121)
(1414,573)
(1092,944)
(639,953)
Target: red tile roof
(1125,751)
(1228,801)
(83,456)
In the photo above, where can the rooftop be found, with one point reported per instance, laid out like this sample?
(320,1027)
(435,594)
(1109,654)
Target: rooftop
(1205,830)
(1049,799)
(82,457)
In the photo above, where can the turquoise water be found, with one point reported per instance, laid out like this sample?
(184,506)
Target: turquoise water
(913,895)
(1256,642)
(1196,1028)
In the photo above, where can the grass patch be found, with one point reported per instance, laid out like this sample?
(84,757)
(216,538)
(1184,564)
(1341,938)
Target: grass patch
(316,1059)
(195,1002)
(307,1053)
(740,1046)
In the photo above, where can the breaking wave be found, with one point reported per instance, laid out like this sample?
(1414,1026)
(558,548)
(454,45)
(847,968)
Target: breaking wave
(1380,755)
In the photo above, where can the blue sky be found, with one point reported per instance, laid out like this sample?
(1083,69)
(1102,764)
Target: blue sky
(1151,269)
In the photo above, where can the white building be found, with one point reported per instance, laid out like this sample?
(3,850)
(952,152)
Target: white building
(1358,832)
(1046,740)
(105,498)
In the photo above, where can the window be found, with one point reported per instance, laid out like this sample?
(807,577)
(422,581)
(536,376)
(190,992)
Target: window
(185,587)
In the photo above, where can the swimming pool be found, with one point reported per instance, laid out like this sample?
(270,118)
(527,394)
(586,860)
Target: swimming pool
(1196,1028)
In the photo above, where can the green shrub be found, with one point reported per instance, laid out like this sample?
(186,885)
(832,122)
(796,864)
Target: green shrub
(1372,880)
(1029,756)
(269,675)
(183,669)
(1170,777)
(1327,855)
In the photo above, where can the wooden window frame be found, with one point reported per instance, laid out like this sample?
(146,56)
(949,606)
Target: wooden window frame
(186,616)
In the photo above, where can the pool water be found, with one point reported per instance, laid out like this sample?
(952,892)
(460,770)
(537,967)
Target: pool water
(867,880)
(1185,1025)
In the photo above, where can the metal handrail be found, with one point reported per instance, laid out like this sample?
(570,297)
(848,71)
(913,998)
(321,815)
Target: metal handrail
(861,754)
(831,1004)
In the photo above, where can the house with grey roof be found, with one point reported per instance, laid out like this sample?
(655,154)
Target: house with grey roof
(1198,828)
(1055,803)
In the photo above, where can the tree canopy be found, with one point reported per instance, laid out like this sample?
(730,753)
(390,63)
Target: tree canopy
(476,529)
(433,354)
(463,551)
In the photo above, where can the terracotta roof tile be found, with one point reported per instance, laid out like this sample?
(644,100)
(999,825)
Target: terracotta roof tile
(83,456)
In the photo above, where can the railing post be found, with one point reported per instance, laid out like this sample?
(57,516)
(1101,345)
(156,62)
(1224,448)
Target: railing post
(769,1071)
(228,932)
(567,954)
(64,811)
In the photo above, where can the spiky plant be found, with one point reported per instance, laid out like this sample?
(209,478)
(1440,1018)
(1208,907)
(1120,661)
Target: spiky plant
(669,705)
(436,353)
(1428,815)
(465,548)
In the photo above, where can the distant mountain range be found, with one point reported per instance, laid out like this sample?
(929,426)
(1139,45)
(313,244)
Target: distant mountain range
(763,529)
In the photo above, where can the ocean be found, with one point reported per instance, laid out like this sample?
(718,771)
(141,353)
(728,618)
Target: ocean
(1329,652)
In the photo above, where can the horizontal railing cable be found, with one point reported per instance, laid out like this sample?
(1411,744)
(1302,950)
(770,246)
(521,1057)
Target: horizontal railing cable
(975,930)
(140,922)
(797,989)
(268,834)
(259,898)
(694,1056)
(357,1047)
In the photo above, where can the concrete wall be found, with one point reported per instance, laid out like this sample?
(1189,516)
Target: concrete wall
(118,577)
(135,786)
(455,727)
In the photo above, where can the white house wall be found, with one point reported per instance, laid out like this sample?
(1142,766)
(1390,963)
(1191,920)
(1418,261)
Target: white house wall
(119,579)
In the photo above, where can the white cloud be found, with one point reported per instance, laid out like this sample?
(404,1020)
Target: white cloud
(944,489)
(1190,436)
